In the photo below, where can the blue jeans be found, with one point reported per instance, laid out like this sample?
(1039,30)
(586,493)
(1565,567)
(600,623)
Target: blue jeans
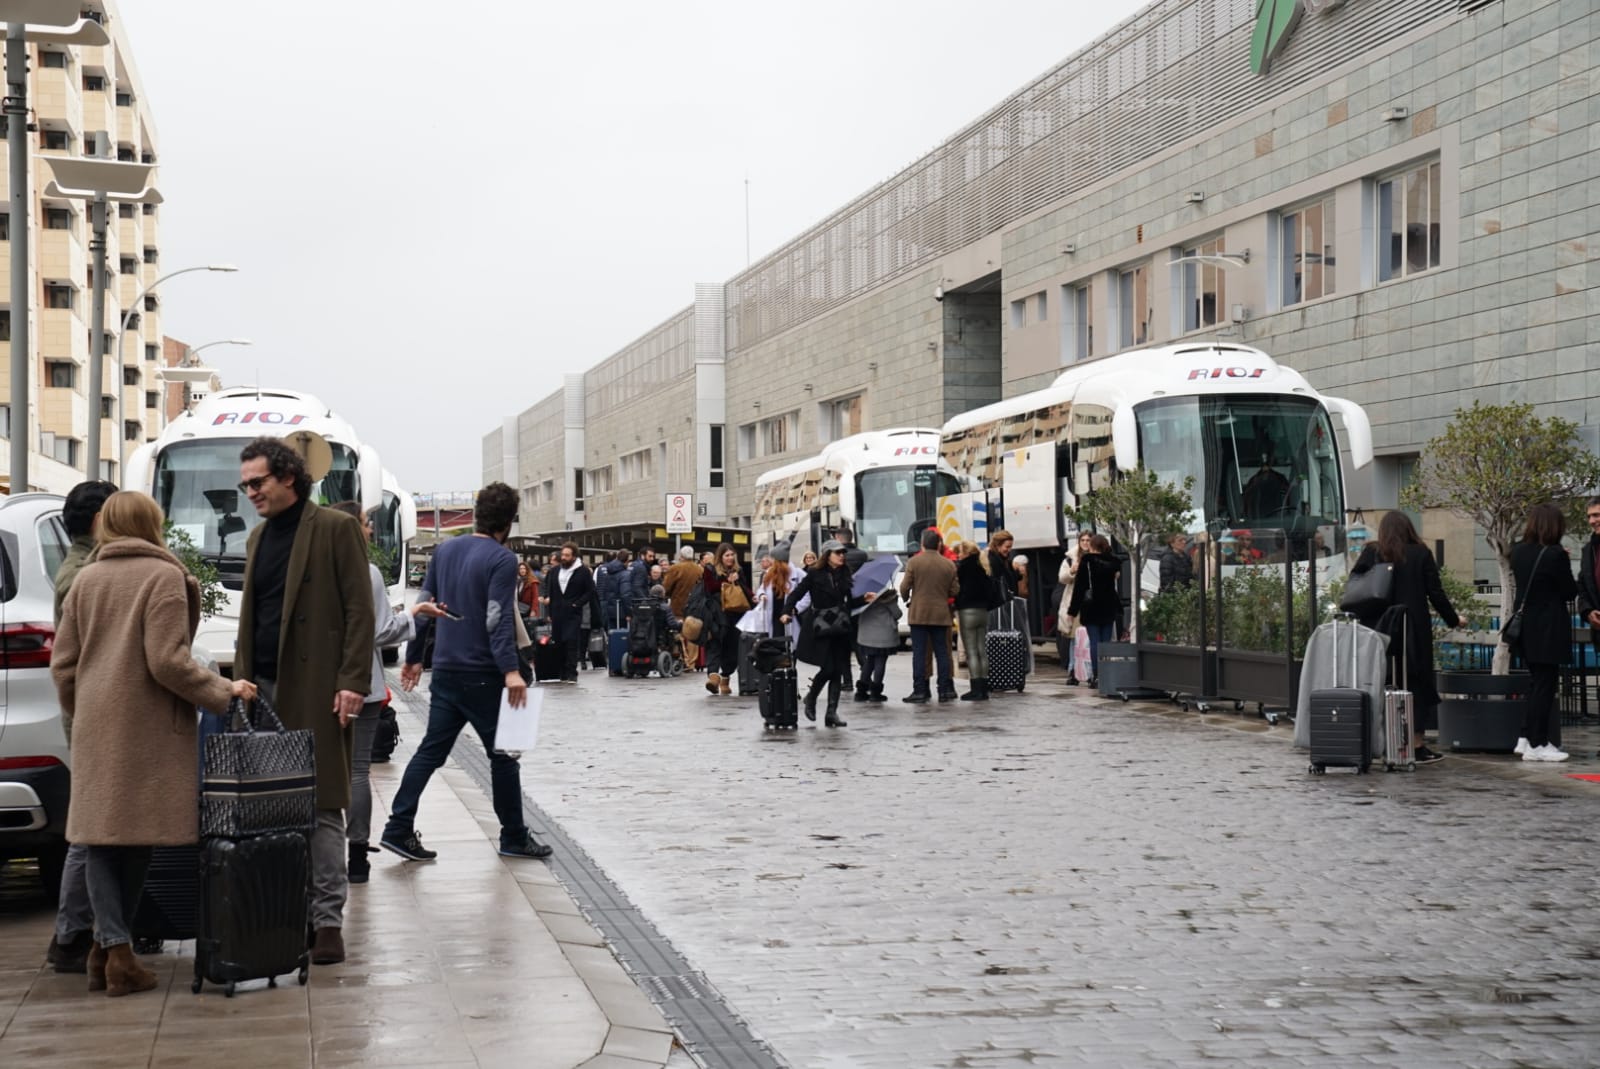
(1098,633)
(460,698)
(921,635)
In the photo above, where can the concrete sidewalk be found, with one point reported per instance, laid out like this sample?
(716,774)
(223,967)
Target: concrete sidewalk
(471,960)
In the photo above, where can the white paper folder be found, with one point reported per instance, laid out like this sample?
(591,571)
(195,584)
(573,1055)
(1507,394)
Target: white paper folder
(518,729)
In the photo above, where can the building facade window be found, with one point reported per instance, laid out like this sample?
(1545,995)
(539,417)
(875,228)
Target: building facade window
(107,407)
(634,466)
(152,353)
(62,374)
(1204,284)
(57,295)
(150,399)
(55,60)
(598,481)
(94,83)
(53,139)
(1077,322)
(842,417)
(577,489)
(1135,306)
(5,226)
(780,433)
(1034,308)
(58,219)
(128,265)
(130,431)
(130,376)
(125,211)
(5,325)
(124,100)
(718,466)
(1307,252)
(150,255)
(1408,222)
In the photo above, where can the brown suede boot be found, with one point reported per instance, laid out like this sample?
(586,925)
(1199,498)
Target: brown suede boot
(124,974)
(722,685)
(96,965)
(712,679)
(328,948)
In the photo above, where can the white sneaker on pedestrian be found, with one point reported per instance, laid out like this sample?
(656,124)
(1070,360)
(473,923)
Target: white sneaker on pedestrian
(1532,754)
(1522,748)
(1548,752)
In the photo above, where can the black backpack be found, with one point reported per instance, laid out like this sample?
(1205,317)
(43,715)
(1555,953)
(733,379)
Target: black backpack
(388,734)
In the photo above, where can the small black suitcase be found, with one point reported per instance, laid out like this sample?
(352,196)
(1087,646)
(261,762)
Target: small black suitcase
(749,677)
(779,699)
(1341,718)
(170,905)
(252,910)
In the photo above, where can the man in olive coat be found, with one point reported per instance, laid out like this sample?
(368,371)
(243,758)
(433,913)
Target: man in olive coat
(305,638)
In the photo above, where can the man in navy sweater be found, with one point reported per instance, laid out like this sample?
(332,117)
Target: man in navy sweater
(472,585)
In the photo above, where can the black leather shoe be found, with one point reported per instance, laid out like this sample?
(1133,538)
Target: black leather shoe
(919,697)
(71,956)
(810,706)
(832,719)
(948,696)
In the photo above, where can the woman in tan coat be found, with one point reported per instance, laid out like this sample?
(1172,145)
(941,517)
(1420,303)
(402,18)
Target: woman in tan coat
(128,687)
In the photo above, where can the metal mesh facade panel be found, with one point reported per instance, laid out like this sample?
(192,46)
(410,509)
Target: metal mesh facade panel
(1165,76)
(663,356)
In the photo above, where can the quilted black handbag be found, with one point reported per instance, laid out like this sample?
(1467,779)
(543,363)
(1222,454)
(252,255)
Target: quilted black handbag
(257,776)
(832,622)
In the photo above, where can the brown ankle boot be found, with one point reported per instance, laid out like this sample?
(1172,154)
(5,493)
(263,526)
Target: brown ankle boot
(96,965)
(328,948)
(722,685)
(124,974)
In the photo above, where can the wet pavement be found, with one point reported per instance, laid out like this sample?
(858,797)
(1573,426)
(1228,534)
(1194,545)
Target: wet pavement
(1055,879)
(469,961)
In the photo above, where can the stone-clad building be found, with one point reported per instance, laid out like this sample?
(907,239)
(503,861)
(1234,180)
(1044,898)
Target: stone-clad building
(1399,198)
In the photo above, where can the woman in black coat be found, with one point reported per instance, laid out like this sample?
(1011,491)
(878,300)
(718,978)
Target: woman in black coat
(1416,586)
(1543,573)
(830,587)
(1095,601)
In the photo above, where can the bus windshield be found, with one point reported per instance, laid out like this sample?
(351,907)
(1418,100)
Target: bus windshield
(1256,461)
(895,505)
(197,486)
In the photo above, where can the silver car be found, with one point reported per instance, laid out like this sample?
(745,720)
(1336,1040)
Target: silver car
(35,777)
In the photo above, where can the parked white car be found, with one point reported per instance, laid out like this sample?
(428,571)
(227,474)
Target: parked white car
(35,775)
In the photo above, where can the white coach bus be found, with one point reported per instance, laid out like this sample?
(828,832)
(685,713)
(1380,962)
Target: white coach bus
(192,470)
(1258,440)
(884,485)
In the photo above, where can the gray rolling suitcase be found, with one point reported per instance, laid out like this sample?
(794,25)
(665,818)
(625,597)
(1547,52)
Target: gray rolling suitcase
(1341,717)
(1399,718)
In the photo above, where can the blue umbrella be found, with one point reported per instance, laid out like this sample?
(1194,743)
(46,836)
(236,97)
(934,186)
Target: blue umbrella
(875,576)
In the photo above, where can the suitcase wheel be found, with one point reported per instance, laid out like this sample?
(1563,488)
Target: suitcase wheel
(1317,770)
(272,981)
(230,989)
(196,984)
(304,975)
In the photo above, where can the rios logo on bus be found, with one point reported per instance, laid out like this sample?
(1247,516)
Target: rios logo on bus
(1226,373)
(1276,21)
(915,451)
(258,417)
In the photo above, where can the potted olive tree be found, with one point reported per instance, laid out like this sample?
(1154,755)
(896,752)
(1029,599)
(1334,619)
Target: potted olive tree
(1132,509)
(1491,465)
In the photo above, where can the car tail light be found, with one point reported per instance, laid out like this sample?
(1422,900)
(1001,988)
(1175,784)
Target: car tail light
(42,761)
(27,645)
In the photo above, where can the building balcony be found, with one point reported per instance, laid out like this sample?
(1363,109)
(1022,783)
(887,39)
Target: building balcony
(62,256)
(63,411)
(99,113)
(130,234)
(62,335)
(58,97)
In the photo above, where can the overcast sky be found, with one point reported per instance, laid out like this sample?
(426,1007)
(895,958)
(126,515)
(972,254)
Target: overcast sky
(434,221)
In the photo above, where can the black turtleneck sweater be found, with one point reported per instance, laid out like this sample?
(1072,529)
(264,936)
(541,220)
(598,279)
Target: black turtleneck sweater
(269,572)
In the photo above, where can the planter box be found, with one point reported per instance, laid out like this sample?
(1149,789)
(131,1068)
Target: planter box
(1480,712)
(1178,669)
(1257,676)
(1119,668)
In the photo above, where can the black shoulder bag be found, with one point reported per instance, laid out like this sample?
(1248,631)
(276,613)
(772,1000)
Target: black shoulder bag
(1511,633)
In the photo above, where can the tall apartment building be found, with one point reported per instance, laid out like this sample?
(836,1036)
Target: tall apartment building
(76,93)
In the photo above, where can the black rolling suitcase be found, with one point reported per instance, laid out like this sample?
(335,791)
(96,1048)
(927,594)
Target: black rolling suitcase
(1007,646)
(252,910)
(749,678)
(170,905)
(779,699)
(1341,717)
(549,656)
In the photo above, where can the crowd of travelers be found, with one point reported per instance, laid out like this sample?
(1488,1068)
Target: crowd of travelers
(315,612)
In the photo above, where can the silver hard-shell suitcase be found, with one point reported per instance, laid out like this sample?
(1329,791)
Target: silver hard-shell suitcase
(1399,717)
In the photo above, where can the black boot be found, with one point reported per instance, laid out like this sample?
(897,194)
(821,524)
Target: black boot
(981,686)
(877,693)
(832,718)
(360,868)
(948,695)
(973,690)
(810,704)
(917,697)
(863,691)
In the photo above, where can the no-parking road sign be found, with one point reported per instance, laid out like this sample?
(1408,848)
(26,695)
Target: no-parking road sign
(680,513)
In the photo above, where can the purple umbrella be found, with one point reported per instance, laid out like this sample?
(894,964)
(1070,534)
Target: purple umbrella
(875,576)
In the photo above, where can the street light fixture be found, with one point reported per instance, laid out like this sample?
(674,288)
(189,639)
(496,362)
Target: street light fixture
(189,371)
(99,182)
(57,22)
(122,334)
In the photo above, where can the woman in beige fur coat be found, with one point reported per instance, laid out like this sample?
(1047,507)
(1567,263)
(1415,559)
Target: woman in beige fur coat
(128,687)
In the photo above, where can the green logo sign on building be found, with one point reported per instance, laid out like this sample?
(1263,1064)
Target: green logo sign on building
(1276,21)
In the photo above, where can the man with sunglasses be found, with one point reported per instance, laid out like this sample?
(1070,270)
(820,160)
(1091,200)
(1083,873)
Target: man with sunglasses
(306,625)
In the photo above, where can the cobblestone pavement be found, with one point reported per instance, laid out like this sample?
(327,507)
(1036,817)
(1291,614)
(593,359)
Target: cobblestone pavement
(1058,880)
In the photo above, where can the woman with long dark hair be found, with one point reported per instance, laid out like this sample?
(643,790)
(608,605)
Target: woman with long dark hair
(1543,572)
(1096,603)
(1416,586)
(830,587)
(729,590)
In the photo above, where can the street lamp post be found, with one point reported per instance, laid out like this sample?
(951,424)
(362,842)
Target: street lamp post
(28,20)
(189,371)
(133,309)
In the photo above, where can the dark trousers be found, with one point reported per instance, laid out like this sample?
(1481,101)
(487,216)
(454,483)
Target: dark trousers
(922,635)
(722,656)
(873,663)
(460,698)
(1541,724)
(1098,633)
(568,632)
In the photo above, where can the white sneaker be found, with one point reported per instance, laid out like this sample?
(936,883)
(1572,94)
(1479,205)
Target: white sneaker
(1522,748)
(1531,754)
(1548,752)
